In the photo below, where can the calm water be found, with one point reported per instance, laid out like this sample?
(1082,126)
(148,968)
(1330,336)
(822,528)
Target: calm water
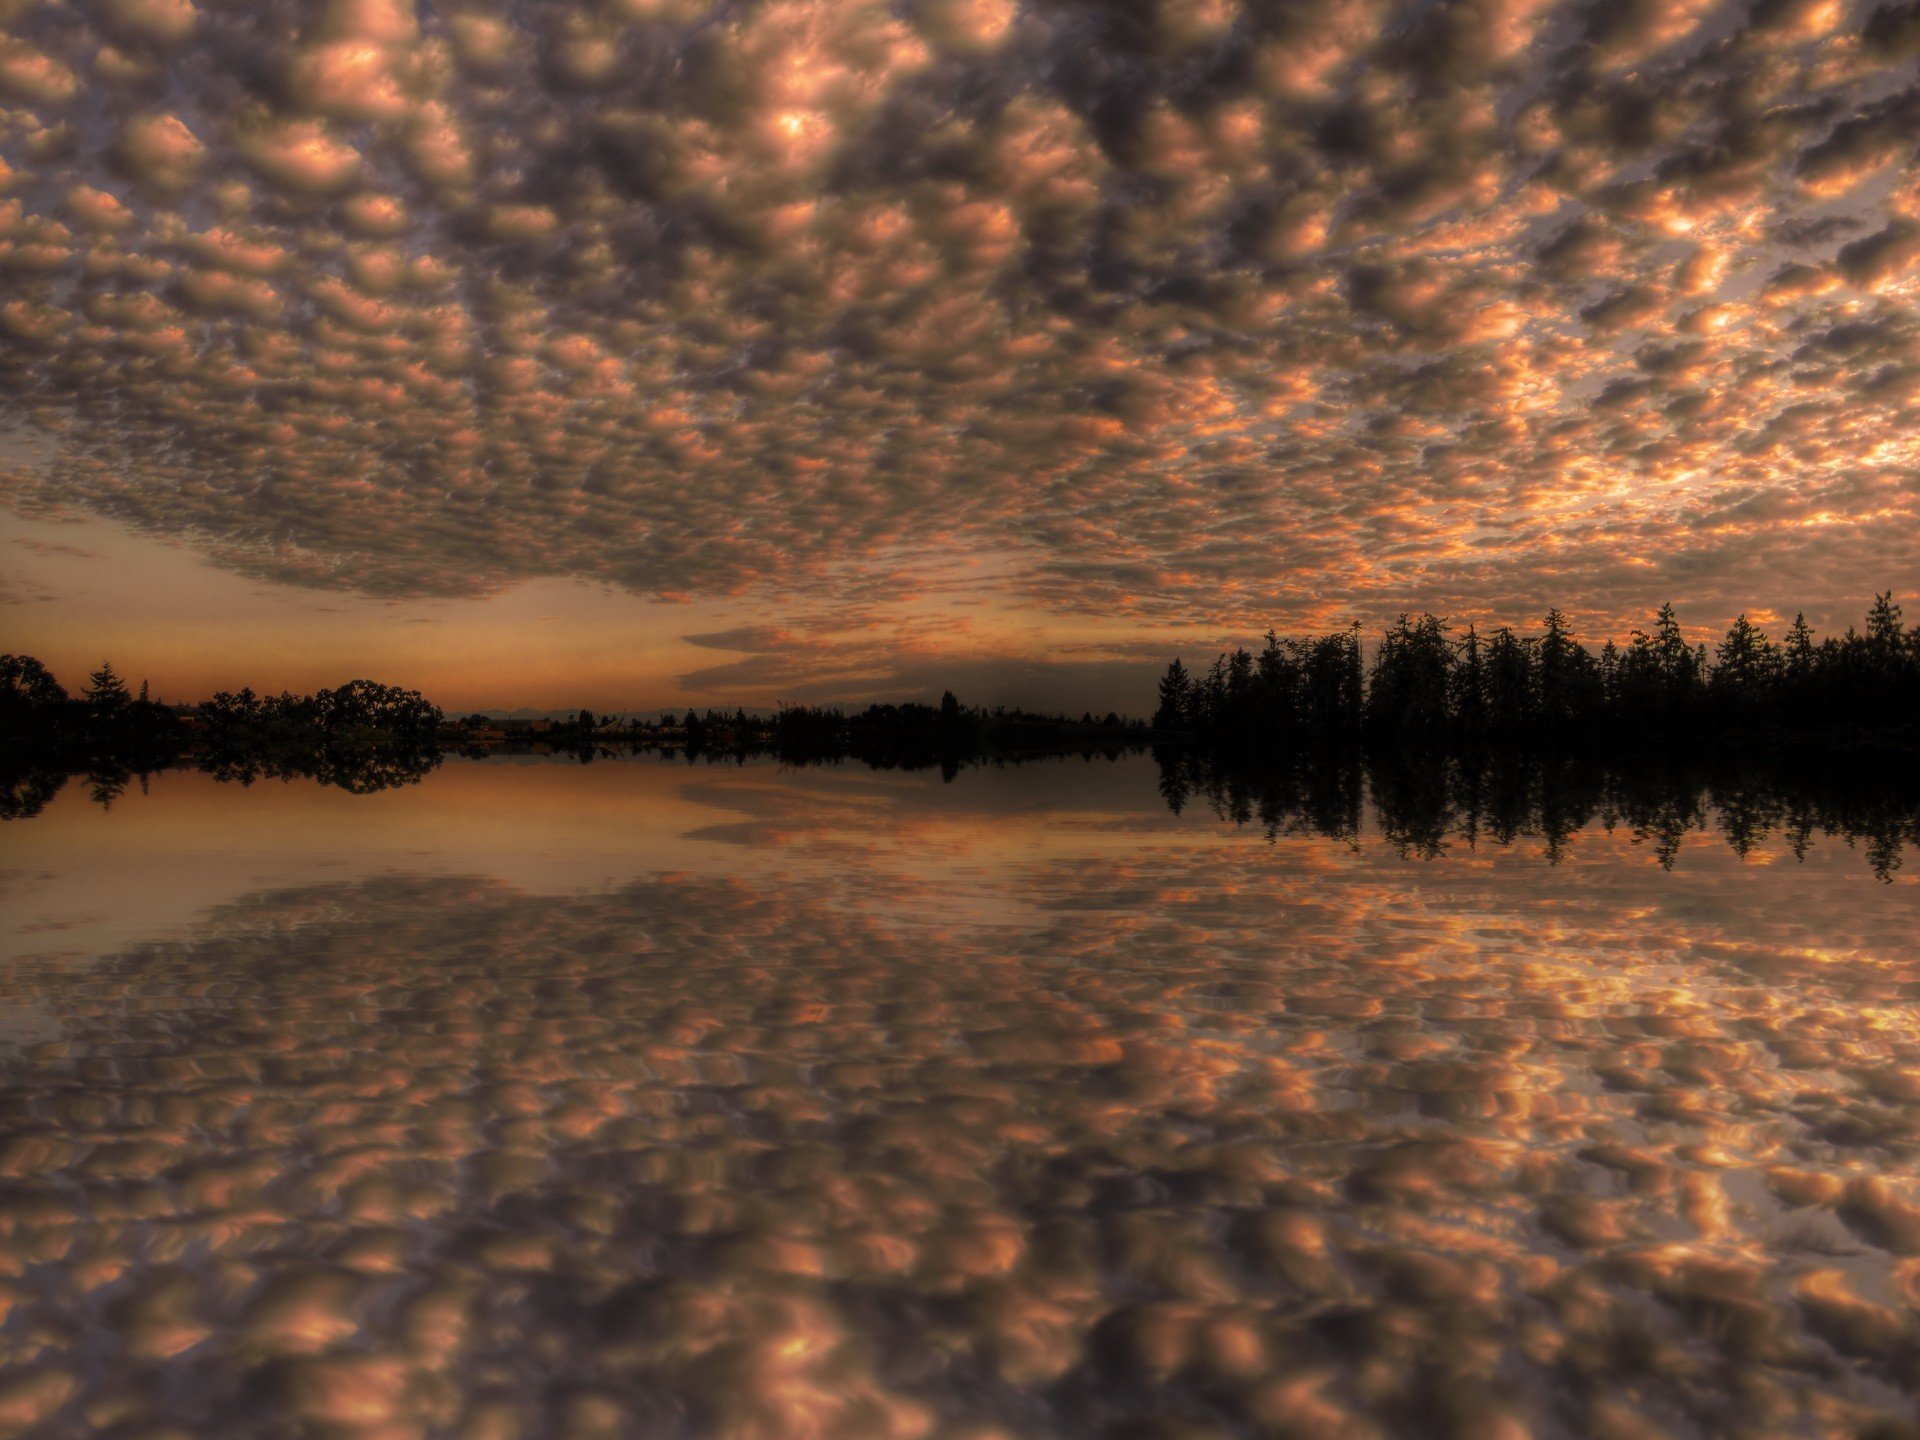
(652,1101)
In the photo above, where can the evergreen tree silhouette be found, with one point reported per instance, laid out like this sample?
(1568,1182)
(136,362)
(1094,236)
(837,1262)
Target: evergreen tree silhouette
(1426,686)
(106,692)
(1175,698)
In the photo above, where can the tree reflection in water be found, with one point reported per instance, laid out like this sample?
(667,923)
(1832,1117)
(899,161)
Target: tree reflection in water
(1421,804)
(1425,804)
(1206,1139)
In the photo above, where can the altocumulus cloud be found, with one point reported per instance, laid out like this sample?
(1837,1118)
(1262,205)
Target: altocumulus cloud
(1192,308)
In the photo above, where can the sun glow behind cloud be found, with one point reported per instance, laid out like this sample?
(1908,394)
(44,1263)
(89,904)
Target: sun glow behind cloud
(1190,314)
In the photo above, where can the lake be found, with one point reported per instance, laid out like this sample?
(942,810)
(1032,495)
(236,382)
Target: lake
(647,1099)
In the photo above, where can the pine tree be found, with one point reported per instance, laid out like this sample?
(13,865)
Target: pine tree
(1510,682)
(1677,668)
(1412,679)
(1744,674)
(1570,684)
(1470,686)
(106,692)
(1799,648)
(1884,638)
(1176,689)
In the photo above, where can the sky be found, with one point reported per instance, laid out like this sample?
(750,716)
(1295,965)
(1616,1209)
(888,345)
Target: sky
(638,352)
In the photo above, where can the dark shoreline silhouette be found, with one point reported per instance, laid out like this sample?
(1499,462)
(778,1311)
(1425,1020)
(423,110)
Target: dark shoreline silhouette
(1445,740)
(365,736)
(1422,806)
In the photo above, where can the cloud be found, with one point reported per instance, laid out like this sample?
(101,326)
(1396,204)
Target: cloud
(1192,312)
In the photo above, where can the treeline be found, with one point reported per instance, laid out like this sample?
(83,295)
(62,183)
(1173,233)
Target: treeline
(903,736)
(1424,804)
(361,736)
(891,735)
(106,721)
(909,735)
(1430,684)
(950,734)
(365,736)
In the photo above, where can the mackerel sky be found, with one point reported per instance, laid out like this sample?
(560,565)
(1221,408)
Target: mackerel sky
(646,349)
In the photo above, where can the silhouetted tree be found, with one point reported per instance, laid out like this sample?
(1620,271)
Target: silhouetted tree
(27,687)
(106,692)
(367,706)
(1676,664)
(1239,699)
(1883,633)
(1510,683)
(1408,694)
(1569,685)
(1175,698)
(1469,698)
(1745,674)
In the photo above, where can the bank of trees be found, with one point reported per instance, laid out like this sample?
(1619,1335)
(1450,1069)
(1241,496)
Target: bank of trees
(35,706)
(949,734)
(1299,689)
(358,713)
(362,735)
(1430,683)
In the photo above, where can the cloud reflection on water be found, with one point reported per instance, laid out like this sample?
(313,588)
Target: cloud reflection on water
(1188,1136)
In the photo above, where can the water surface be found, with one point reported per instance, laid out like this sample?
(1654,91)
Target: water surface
(635,1099)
